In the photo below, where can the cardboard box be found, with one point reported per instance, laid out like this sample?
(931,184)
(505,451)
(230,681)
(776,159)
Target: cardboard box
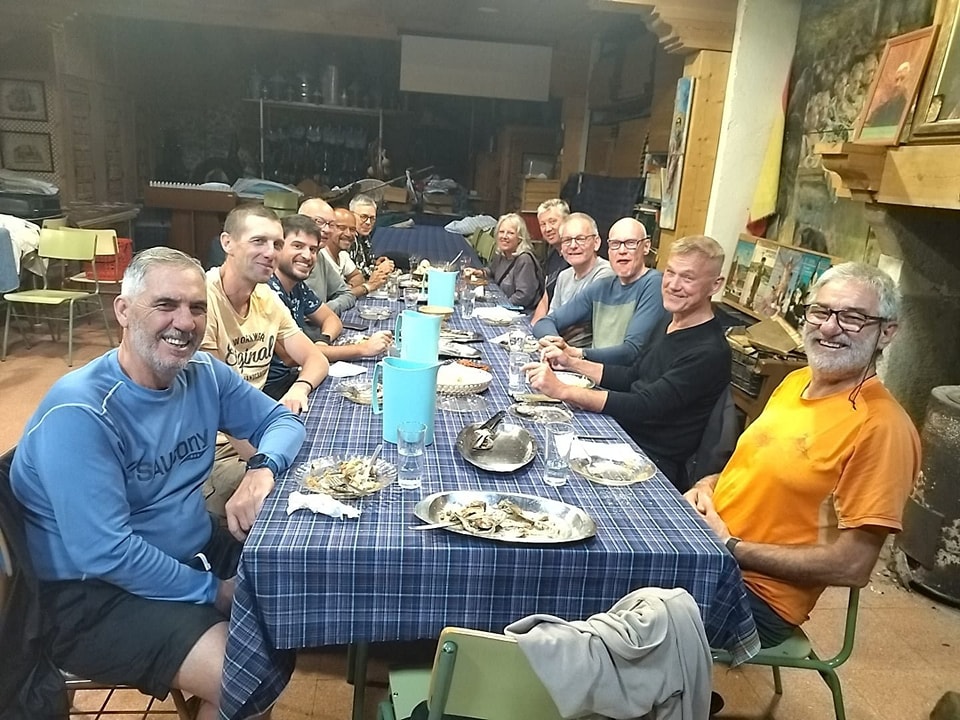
(394,195)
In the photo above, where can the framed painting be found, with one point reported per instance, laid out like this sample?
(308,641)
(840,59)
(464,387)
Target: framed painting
(739,267)
(938,109)
(26,151)
(894,87)
(671,175)
(22,100)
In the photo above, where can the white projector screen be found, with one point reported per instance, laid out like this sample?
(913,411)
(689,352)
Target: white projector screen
(474,68)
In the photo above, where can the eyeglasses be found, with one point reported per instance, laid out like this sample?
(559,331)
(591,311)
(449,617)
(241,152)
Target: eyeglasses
(323,224)
(366,218)
(631,244)
(579,240)
(849,320)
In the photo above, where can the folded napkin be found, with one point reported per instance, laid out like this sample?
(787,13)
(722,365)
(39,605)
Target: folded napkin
(342,369)
(497,314)
(610,451)
(320,503)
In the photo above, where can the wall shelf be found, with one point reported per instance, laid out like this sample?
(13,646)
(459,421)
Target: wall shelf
(314,107)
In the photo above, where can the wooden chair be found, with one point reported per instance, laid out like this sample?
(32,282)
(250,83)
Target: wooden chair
(475,675)
(11,567)
(56,249)
(797,652)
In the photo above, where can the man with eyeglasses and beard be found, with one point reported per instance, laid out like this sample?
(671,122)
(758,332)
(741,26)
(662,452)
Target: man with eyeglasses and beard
(325,280)
(820,479)
(623,309)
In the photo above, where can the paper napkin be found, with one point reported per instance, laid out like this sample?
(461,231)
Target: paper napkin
(320,503)
(342,369)
(611,451)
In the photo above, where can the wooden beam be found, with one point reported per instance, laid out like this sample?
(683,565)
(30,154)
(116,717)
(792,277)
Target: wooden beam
(684,26)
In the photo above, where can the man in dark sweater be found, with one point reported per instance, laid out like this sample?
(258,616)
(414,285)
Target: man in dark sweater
(665,398)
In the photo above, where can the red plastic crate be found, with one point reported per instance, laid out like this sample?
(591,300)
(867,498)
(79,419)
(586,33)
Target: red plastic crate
(111,268)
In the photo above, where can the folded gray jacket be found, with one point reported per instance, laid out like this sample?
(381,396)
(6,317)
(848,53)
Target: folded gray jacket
(647,656)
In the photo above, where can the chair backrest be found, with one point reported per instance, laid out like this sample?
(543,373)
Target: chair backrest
(64,245)
(9,278)
(54,222)
(485,675)
(718,441)
(106,240)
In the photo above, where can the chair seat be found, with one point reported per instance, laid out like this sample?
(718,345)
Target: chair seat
(408,688)
(46,297)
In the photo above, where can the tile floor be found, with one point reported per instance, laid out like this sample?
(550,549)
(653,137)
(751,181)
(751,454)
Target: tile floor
(906,656)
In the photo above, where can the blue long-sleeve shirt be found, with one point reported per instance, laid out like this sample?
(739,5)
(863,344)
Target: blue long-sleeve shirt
(623,317)
(110,473)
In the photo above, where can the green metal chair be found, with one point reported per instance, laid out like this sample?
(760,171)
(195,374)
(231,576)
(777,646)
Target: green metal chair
(797,652)
(58,249)
(475,675)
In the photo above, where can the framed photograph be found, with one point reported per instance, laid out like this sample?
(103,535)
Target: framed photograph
(894,87)
(739,267)
(22,100)
(672,174)
(26,151)
(938,109)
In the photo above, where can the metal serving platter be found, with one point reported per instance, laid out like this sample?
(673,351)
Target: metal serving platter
(341,476)
(513,447)
(539,413)
(611,472)
(558,522)
(460,336)
(456,350)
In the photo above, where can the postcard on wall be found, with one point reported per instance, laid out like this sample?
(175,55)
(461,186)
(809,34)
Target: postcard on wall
(670,189)
(739,268)
(811,267)
(773,297)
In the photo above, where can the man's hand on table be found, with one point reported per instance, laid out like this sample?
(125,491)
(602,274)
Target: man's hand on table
(295,399)
(561,356)
(701,497)
(224,600)
(376,343)
(247,500)
(542,379)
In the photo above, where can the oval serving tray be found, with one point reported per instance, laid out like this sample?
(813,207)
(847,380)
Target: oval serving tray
(325,475)
(569,522)
(513,447)
(613,473)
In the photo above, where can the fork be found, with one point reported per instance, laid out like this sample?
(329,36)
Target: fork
(364,473)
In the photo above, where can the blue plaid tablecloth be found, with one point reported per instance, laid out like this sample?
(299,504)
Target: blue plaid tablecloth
(425,241)
(309,580)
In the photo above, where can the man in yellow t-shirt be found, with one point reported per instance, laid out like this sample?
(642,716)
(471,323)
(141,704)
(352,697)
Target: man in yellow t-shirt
(820,479)
(246,323)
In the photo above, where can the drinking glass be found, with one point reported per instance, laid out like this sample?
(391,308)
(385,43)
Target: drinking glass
(410,297)
(410,447)
(468,303)
(516,379)
(393,288)
(560,437)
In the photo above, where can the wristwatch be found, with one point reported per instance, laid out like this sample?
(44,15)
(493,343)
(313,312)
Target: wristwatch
(731,543)
(258,461)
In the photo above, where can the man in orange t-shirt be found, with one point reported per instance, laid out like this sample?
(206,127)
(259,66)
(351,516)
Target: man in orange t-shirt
(820,479)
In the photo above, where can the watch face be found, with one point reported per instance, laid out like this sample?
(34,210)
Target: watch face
(257,461)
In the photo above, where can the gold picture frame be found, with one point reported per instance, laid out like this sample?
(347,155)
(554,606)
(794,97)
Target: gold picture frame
(894,87)
(938,109)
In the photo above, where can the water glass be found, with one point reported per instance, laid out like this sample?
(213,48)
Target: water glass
(468,303)
(560,437)
(410,297)
(516,378)
(393,288)
(410,447)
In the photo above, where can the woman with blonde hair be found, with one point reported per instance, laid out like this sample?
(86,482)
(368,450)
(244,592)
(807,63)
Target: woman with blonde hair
(513,266)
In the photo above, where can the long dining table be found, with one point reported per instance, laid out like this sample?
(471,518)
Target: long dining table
(308,580)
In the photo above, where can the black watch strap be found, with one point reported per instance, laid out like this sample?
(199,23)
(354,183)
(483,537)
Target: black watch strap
(731,543)
(260,460)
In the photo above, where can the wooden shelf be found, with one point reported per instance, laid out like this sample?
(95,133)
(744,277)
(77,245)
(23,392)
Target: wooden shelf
(914,175)
(314,107)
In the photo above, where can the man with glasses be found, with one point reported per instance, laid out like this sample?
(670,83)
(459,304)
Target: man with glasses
(365,210)
(820,479)
(324,279)
(335,252)
(663,399)
(579,243)
(623,309)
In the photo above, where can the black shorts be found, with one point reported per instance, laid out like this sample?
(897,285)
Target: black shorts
(101,632)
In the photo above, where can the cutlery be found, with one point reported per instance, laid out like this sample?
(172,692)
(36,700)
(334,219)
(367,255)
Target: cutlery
(433,526)
(365,472)
(483,435)
(597,437)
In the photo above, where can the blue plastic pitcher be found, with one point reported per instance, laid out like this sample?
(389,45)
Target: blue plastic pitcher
(441,287)
(419,335)
(409,393)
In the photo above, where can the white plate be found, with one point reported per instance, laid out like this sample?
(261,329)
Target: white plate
(575,379)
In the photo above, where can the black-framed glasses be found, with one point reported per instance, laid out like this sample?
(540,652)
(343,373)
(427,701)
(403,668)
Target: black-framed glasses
(631,244)
(366,218)
(322,224)
(849,320)
(579,240)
